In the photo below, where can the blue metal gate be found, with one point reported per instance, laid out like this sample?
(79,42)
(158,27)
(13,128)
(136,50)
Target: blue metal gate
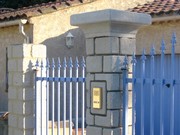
(57,91)
(155,93)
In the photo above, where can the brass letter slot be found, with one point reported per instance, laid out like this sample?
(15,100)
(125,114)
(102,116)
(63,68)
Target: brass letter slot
(97,95)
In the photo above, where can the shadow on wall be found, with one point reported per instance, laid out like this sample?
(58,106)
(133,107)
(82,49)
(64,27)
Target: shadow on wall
(56,46)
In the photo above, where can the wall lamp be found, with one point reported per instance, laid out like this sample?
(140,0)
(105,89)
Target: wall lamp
(69,40)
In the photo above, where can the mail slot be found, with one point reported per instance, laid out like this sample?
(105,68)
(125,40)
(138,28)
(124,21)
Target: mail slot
(97,98)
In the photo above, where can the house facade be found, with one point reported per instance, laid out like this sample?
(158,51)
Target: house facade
(48,24)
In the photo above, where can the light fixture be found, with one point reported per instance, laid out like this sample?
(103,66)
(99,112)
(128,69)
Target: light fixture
(69,40)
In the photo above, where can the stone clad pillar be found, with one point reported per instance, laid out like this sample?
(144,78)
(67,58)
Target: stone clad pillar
(110,35)
(21,100)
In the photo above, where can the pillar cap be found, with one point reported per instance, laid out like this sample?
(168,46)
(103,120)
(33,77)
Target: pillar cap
(110,15)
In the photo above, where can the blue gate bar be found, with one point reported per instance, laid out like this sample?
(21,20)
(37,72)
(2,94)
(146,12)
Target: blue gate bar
(41,90)
(53,74)
(43,79)
(35,93)
(59,97)
(83,94)
(152,53)
(143,58)
(161,88)
(125,96)
(64,97)
(133,94)
(159,93)
(70,96)
(173,42)
(77,96)
(47,97)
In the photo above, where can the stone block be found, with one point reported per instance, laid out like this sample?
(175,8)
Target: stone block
(88,98)
(102,110)
(90,46)
(19,131)
(10,78)
(20,79)
(24,64)
(112,131)
(12,93)
(91,130)
(39,51)
(26,94)
(11,131)
(107,45)
(112,63)
(89,78)
(94,64)
(111,15)
(17,51)
(28,108)
(112,80)
(12,120)
(12,65)
(127,46)
(114,100)
(112,119)
(18,107)
(10,52)
(20,51)
(10,105)
(26,122)
(89,118)
(17,79)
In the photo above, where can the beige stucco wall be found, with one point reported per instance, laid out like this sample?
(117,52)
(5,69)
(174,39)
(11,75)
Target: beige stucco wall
(153,34)
(51,29)
(8,36)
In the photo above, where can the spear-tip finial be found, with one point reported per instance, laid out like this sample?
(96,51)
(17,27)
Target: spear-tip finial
(143,56)
(152,52)
(133,61)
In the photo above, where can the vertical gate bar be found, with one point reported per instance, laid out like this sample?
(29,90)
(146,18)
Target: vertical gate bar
(83,94)
(77,96)
(41,99)
(59,97)
(125,97)
(47,97)
(152,53)
(53,68)
(143,58)
(173,42)
(70,96)
(36,95)
(133,94)
(161,89)
(64,96)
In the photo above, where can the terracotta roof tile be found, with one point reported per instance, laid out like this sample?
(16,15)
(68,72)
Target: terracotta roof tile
(159,7)
(38,9)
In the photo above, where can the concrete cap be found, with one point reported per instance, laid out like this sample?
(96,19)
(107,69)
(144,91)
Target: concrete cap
(110,15)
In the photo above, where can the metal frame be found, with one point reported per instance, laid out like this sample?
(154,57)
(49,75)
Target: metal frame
(152,81)
(61,77)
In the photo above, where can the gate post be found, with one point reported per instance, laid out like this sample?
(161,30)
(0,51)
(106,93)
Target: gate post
(110,35)
(21,100)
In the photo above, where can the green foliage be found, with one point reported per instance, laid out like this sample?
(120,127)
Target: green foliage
(20,3)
